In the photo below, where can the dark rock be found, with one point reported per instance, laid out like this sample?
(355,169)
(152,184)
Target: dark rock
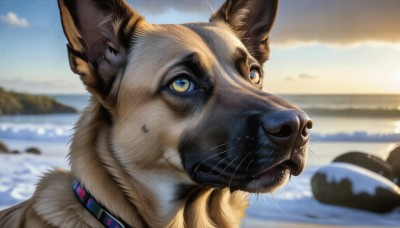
(367,161)
(15,152)
(4,148)
(348,185)
(394,161)
(33,150)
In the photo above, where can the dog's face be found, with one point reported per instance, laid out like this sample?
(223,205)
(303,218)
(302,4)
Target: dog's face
(187,98)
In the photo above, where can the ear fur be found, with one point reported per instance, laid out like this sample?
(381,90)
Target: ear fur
(252,20)
(99,36)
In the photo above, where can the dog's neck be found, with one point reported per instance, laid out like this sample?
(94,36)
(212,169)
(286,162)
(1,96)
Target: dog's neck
(154,199)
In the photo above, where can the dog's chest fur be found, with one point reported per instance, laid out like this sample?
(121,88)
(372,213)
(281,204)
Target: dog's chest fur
(164,205)
(52,206)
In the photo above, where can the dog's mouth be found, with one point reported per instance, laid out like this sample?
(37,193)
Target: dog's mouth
(266,179)
(250,151)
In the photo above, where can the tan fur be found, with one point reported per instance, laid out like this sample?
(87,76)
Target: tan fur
(54,203)
(132,173)
(127,178)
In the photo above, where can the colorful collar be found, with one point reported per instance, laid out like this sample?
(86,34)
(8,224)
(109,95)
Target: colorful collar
(101,214)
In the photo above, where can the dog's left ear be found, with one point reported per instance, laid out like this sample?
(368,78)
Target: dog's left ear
(252,20)
(99,34)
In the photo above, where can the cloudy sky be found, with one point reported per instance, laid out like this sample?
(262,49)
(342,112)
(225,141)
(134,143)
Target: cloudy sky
(318,46)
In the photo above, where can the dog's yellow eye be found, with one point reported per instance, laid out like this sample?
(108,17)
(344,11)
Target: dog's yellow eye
(255,76)
(182,85)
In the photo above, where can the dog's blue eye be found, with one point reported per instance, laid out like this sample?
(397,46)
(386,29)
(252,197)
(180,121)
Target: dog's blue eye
(255,76)
(182,85)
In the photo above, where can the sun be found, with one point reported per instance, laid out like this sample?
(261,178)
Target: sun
(396,75)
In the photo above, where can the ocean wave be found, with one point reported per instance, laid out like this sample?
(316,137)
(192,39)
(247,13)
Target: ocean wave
(56,132)
(44,132)
(354,112)
(358,136)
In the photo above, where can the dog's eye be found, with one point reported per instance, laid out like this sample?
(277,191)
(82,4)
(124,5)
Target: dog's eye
(255,76)
(182,85)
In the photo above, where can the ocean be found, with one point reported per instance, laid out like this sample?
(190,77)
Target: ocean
(337,118)
(342,123)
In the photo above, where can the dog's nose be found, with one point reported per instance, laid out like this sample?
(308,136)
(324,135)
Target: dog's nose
(287,127)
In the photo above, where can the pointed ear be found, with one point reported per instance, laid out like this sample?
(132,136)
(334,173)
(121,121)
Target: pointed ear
(99,36)
(252,20)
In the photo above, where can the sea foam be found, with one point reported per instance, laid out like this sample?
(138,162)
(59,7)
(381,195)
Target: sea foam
(45,132)
(63,132)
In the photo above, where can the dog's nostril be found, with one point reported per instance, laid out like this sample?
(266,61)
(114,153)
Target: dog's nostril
(281,126)
(308,126)
(304,132)
(284,132)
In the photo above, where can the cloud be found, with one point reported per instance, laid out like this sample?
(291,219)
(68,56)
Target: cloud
(308,76)
(337,22)
(302,77)
(302,22)
(12,19)
(157,6)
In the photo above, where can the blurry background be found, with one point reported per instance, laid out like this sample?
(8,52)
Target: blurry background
(339,60)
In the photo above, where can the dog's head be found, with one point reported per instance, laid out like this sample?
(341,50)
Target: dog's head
(188,98)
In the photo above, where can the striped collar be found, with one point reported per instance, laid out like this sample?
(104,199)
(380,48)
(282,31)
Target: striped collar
(95,208)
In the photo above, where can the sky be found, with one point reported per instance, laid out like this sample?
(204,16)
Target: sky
(317,46)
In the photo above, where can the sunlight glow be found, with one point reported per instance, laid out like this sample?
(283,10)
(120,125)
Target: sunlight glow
(396,75)
(397,127)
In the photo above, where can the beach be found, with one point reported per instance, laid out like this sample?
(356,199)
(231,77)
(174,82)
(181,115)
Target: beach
(291,206)
(255,223)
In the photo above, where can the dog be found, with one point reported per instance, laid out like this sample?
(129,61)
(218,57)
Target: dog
(178,131)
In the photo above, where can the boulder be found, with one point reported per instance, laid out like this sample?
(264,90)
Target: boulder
(4,148)
(349,185)
(33,150)
(394,161)
(15,152)
(367,161)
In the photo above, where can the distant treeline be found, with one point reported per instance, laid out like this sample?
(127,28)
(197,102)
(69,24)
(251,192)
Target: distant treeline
(12,103)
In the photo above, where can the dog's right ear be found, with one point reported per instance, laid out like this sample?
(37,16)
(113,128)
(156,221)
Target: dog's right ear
(99,36)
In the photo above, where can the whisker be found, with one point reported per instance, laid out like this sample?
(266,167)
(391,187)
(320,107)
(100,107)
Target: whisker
(230,181)
(224,144)
(248,165)
(208,158)
(214,155)
(276,204)
(230,163)
(164,163)
(208,3)
(314,158)
(167,159)
(218,164)
(257,199)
